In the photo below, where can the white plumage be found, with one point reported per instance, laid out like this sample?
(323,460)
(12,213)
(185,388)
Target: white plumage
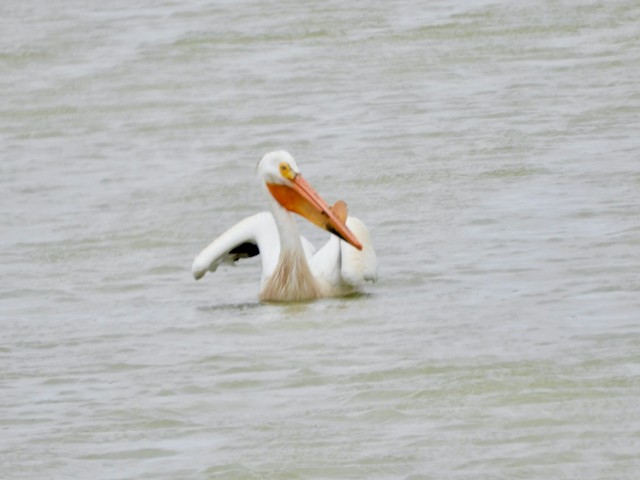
(291,268)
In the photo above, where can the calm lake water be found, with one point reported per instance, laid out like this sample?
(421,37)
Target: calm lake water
(493,149)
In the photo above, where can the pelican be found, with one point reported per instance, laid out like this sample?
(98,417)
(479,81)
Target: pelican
(292,270)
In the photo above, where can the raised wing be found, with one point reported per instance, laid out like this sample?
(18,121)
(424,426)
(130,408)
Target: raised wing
(358,266)
(344,267)
(252,236)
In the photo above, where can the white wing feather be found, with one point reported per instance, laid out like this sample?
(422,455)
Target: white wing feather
(358,266)
(259,229)
(342,266)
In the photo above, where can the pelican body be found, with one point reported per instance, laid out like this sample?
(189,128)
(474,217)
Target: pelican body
(292,270)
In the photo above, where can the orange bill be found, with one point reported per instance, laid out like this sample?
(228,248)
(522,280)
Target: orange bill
(302,199)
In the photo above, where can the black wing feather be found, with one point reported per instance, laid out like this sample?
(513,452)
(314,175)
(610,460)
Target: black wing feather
(244,250)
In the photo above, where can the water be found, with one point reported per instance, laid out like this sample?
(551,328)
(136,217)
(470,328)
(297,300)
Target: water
(491,147)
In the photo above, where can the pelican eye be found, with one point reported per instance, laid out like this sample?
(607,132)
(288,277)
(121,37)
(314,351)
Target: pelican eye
(286,171)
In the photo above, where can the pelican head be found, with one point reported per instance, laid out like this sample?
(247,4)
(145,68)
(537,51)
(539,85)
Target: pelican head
(286,185)
(278,168)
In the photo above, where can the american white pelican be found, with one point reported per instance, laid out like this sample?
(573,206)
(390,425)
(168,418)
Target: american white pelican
(291,268)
